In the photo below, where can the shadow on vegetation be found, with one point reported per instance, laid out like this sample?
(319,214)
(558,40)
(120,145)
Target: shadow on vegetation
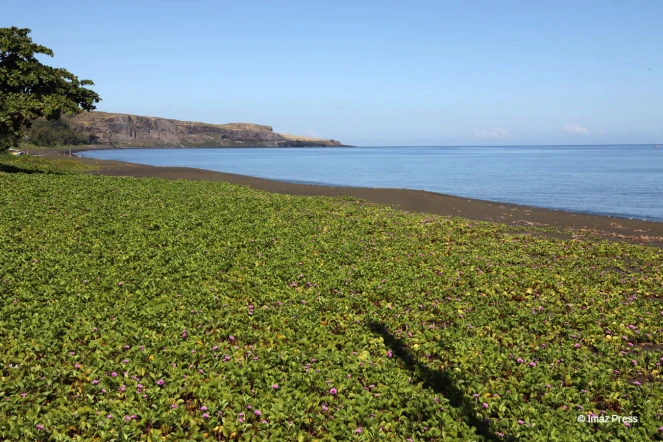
(438,381)
(37,164)
(9,168)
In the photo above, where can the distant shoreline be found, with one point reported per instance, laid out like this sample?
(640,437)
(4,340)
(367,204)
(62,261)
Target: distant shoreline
(573,223)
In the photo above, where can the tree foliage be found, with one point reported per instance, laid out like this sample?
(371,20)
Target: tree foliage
(30,89)
(56,133)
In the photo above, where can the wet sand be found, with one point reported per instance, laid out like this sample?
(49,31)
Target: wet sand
(571,225)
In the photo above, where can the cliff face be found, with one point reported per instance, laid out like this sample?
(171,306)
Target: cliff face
(122,130)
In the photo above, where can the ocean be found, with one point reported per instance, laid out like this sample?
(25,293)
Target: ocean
(617,180)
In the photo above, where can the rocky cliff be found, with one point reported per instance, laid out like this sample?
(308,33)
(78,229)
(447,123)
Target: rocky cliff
(123,130)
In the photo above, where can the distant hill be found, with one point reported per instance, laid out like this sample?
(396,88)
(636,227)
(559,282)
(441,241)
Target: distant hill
(122,130)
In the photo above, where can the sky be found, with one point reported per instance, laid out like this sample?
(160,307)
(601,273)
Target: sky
(371,73)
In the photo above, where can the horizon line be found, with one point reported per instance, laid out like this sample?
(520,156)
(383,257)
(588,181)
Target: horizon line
(514,145)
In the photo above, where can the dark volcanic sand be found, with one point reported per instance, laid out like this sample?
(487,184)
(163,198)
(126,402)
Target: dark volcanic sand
(573,224)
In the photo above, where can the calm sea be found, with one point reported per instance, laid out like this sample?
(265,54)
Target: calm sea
(625,181)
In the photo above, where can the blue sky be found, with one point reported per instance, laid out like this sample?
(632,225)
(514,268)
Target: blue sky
(372,72)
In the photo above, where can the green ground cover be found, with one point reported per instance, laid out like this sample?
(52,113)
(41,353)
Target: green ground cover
(136,309)
(34,164)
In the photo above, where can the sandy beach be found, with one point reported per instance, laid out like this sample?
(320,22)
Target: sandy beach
(571,225)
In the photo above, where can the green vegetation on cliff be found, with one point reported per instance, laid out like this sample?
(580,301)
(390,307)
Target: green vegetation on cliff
(55,133)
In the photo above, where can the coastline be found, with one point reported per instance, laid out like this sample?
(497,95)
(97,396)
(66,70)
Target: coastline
(573,224)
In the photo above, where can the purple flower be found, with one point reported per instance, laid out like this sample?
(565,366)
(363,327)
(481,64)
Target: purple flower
(324,407)
(123,387)
(358,430)
(532,364)
(232,338)
(41,427)
(160,382)
(95,382)
(114,374)
(215,348)
(127,418)
(389,354)
(257,412)
(520,422)
(103,391)
(109,416)
(203,408)
(126,361)
(275,386)
(205,416)
(333,391)
(174,406)
(634,362)
(520,360)
(485,405)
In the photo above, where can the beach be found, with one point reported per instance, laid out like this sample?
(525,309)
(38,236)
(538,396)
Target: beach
(569,225)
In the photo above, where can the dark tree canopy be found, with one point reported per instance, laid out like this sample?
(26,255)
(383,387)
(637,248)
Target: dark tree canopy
(31,90)
(50,133)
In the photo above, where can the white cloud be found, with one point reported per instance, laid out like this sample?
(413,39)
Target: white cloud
(491,133)
(574,129)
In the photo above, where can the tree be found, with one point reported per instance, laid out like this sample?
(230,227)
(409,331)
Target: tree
(56,132)
(30,89)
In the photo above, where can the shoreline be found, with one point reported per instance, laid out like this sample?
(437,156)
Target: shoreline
(634,231)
